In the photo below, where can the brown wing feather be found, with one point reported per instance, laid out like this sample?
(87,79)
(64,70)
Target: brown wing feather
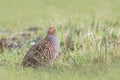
(41,52)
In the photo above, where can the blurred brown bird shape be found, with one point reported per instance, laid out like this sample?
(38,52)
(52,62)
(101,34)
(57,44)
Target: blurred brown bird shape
(44,52)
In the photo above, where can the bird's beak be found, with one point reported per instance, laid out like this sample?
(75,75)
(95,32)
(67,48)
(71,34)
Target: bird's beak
(55,29)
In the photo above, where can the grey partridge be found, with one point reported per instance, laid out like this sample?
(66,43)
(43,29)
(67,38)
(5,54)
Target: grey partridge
(44,52)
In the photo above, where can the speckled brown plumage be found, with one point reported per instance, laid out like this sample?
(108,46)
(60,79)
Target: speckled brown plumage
(43,52)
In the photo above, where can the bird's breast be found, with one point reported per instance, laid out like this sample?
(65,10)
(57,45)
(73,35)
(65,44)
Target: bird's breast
(55,43)
(57,47)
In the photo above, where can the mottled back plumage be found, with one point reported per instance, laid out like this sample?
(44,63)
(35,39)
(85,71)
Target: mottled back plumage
(43,52)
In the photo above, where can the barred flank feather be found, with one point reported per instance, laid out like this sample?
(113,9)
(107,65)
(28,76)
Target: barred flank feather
(44,52)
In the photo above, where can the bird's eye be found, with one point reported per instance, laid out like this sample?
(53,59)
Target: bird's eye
(50,27)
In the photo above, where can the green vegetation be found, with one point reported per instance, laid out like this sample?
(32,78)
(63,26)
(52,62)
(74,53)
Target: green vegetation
(91,27)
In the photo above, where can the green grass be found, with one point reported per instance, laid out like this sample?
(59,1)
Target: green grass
(93,72)
(93,26)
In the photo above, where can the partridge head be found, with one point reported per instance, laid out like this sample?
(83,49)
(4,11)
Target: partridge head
(51,30)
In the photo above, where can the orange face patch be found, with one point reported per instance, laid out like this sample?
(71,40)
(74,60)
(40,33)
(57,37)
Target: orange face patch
(52,30)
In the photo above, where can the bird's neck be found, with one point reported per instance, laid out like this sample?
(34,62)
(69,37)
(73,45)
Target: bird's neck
(51,36)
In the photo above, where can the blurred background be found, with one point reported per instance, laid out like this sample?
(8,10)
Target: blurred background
(20,14)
